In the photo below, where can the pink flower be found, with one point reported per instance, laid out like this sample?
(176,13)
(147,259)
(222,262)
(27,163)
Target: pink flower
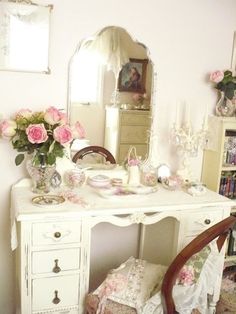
(133,162)
(36,133)
(63,116)
(113,283)
(78,131)
(186,276)
(7,128)
(53,116)
(63,134)
(137,97)
(217,76)
(23,113)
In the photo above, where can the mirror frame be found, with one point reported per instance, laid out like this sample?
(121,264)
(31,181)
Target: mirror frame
(5,29)
(152,144)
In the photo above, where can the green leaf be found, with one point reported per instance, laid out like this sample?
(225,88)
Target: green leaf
(229,93)
(51,159)
(19,158)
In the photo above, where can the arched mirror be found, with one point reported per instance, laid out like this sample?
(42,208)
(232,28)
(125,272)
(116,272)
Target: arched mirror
(110,91)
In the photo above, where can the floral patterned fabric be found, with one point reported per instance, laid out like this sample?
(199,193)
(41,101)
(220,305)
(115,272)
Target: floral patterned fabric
(132,293)
(190,273)
(111,307)
(130,284)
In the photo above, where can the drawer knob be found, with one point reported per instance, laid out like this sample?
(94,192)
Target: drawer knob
(207,221)
(56,300)
(57,234)
(56,269)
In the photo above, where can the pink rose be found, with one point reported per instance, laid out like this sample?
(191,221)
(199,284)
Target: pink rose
(23,113)
(36,133)
(7,128)
(137,97)
(216,76)
(63,116)
(53,116)
(133,162)
(78,131)
(63,134)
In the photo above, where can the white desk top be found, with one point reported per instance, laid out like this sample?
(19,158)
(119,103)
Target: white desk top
(96,205)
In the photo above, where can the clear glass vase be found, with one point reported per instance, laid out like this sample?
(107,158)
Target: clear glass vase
(225,107)
(41,176)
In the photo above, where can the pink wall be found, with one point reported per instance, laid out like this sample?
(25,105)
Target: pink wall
(187,39)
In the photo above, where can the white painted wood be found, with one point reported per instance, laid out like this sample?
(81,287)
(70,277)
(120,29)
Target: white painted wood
(55,261)
(38,248)
(51,233)
(45,290)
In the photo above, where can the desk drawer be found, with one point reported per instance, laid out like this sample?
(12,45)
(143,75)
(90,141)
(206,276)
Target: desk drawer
(135,119)
(56,233)
(133,134)
(198,222)
(53,293)
(55,261)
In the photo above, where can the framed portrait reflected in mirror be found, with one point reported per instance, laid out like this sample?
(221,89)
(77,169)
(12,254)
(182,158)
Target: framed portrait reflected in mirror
(132,77)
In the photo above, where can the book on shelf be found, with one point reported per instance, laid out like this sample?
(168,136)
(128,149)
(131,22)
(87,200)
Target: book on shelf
(229,153)
(228,184)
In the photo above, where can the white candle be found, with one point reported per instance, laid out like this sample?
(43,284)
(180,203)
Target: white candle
(187,115)
(205,123)
(177,116)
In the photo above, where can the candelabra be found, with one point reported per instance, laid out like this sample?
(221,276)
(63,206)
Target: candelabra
(188,143)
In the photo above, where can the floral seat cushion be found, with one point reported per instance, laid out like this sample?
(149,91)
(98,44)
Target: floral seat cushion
(136,284)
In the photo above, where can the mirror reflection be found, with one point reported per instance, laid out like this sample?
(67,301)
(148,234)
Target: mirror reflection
(24,37)
(110,89)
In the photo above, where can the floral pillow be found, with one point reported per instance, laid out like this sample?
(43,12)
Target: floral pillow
(131,283)
(191,271)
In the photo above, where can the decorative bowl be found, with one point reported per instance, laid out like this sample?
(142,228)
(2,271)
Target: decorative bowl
(99,181)
(74,178)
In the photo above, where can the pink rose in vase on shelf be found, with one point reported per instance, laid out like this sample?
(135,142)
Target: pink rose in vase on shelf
(139,100)
(216,76)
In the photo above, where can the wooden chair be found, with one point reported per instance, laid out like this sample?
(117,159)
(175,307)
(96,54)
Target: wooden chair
(94,149)
(219,230)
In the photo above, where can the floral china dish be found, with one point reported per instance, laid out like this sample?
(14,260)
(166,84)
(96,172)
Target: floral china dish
(99,181)
(45,200)
(126,190)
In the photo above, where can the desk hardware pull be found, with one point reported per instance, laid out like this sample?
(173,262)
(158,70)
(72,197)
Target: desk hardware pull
(56,300)
(57,234)
(207,221)
(56,268)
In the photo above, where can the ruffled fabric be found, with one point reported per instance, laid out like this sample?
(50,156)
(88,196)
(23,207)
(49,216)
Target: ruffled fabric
(134,281)
(187,298)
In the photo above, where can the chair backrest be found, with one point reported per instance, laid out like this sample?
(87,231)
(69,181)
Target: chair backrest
(94,149)
(220,230)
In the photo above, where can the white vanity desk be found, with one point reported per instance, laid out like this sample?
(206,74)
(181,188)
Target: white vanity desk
(53,253)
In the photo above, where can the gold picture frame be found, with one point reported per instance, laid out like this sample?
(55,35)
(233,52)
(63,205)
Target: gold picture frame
(132,77)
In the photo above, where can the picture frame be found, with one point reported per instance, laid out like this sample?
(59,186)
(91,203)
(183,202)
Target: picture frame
(132,77)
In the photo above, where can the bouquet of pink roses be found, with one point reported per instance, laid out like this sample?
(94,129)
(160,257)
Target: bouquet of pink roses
(45,132)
